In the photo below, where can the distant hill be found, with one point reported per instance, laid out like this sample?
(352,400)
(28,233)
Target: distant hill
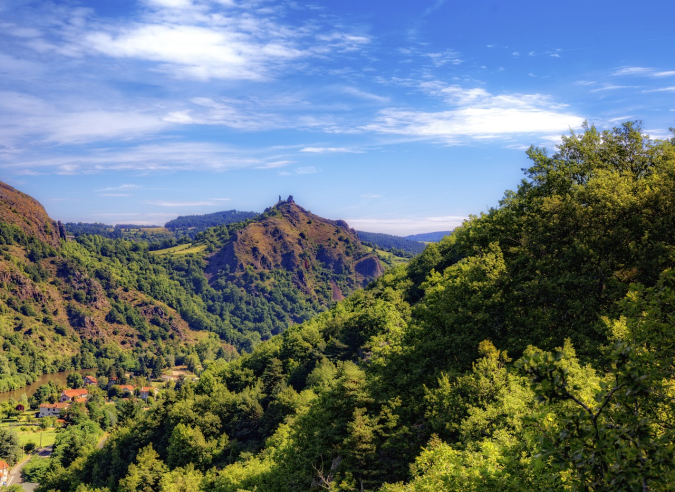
(429,237)
(391,243)
(26,213)
(323,258)
(190,225)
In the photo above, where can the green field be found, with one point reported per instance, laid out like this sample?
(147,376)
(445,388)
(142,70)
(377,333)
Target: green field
(33,432)
(181,249)
(48,437)
(387,258)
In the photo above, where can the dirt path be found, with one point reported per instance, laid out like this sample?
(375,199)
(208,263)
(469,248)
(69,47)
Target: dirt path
(101,442)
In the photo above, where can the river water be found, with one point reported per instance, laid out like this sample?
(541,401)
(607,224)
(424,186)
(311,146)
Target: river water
(58,377)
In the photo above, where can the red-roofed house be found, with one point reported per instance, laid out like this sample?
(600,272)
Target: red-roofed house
(147,391)
(127,388)
(4,471)
(90,380)
(52,409)
(69,395)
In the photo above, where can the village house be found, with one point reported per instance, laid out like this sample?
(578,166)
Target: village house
(52,409)
(90,381)
(148,391)
(4,472)
(71,395)
(127,388)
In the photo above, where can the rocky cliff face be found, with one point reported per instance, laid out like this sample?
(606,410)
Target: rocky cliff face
(318,253)
(28,214)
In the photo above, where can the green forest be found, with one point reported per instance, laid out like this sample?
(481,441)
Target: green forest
(532,349)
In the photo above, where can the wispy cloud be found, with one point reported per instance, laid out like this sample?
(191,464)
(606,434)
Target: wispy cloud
(404,226)
(326,150)
(274,165)
(632,71)
(28,116)
(446,57)
(644,71)
(478,114)
(121,187)
(661,89)
(205,40)
(160,157)
(162,203)
(306,170)
(353,91)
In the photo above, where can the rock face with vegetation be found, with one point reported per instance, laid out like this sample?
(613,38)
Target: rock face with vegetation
(27,214)
(63,306)
(320,255)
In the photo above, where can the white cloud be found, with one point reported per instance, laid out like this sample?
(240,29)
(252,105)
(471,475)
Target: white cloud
(325,150)
(478,114)
(631,71)
(515,53)
(306,170)
(114,194)
(372,196)
(167,156)
(162,203)
(407,225)
(445,57)
(364,95)
(612,88)
(121,187)
(274,165)
(644,71)
(194,51)
(662,89)
(28,116)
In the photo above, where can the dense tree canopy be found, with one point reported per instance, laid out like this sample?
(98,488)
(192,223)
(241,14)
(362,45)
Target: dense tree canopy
(530,350)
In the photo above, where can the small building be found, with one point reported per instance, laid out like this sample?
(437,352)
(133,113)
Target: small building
(90,381)
(127,388)
(4,471)
(70,395)
(147,391)
(52,409)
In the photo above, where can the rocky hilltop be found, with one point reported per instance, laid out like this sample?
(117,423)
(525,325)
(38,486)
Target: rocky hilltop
(314,251)
(23,211)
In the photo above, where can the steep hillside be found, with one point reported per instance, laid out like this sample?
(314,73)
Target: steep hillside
(316,252)
(27,214)
(63,306)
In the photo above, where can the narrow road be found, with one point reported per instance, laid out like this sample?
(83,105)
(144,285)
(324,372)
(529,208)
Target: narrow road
(15,474)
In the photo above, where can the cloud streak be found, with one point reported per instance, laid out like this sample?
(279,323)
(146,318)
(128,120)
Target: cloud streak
(477,114)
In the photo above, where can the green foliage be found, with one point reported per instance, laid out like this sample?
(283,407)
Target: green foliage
(572,276)
(9,446)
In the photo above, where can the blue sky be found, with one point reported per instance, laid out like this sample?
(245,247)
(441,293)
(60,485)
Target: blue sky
(398,116)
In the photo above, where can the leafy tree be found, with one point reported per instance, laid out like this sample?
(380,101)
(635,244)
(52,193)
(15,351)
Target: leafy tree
(9,446)
(75,380)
